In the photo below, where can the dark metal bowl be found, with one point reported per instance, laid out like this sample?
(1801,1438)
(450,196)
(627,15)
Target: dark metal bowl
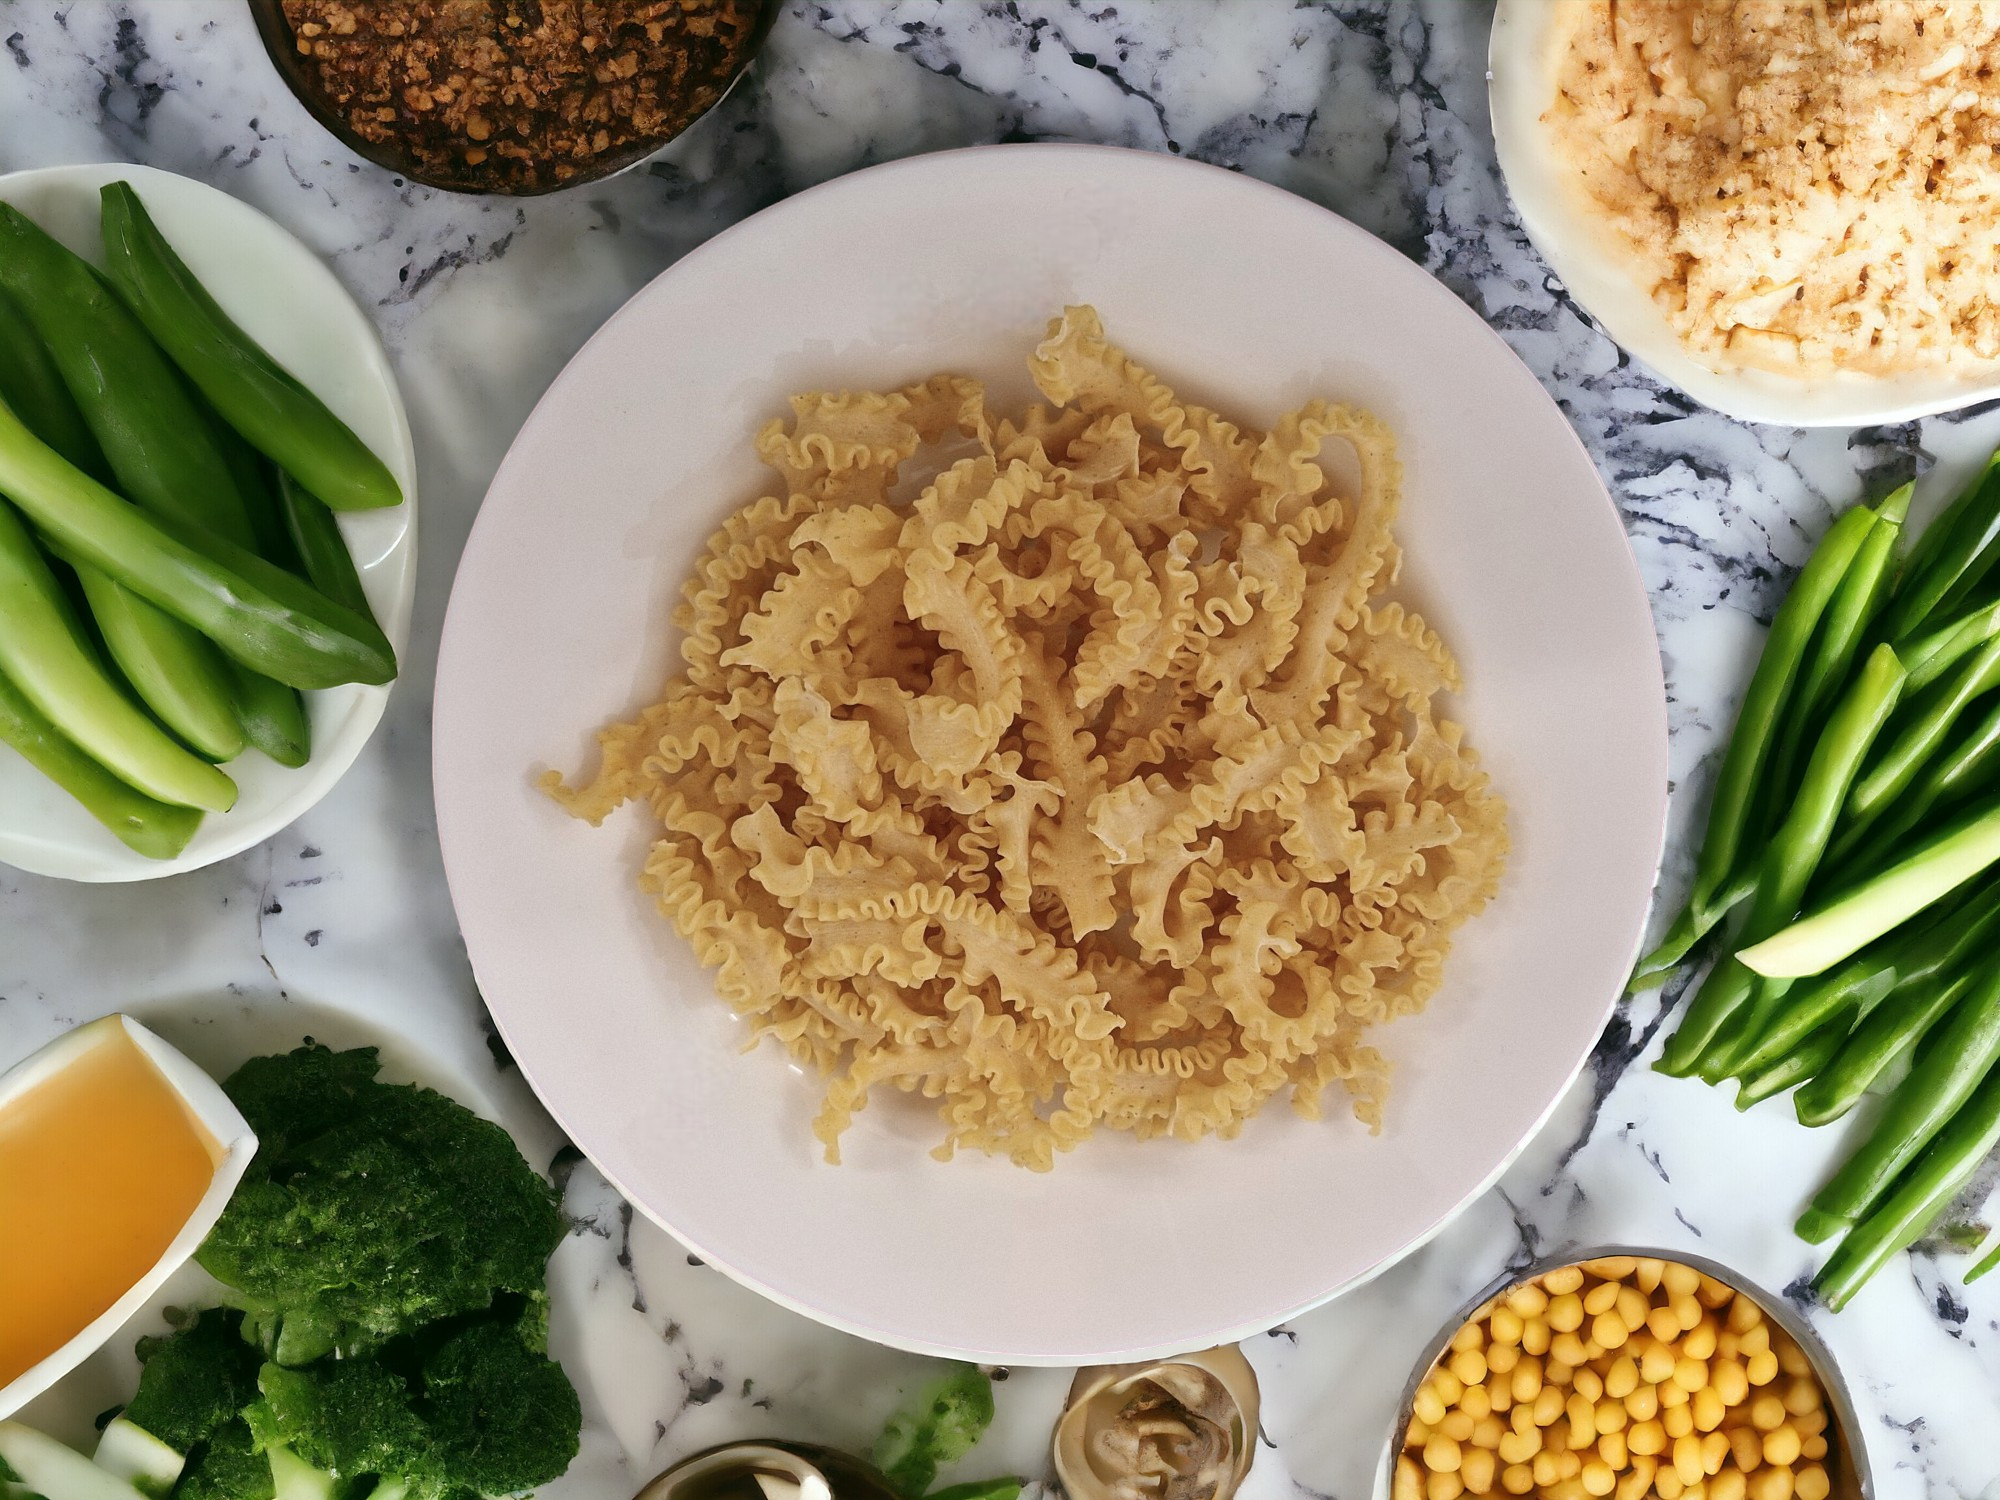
(295,69)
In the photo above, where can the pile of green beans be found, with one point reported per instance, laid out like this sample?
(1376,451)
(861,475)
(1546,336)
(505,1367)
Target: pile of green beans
(1851,866)
(171,575)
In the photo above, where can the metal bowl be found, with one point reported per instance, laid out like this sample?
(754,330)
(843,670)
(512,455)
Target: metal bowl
(279,44)
(794,1466)
(1847,1457)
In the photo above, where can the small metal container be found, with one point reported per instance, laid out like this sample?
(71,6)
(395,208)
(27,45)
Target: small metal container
(1847,1457)
(771,1469)
(281,45)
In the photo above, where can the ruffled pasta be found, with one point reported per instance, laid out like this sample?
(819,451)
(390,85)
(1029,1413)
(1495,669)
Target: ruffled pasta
(1092,785)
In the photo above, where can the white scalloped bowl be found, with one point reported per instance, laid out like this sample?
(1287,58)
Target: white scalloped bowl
(1580,248)
(286,299)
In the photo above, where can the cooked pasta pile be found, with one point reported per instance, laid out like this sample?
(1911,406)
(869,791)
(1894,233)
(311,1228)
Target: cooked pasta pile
(1095,786)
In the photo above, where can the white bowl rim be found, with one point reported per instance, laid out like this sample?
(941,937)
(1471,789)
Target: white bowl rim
(205,1099)
(1576,247)
(92,854)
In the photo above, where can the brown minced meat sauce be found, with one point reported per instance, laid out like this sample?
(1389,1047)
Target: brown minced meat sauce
(493,96)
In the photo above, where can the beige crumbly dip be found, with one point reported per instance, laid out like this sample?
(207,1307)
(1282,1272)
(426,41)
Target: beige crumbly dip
(1805,185)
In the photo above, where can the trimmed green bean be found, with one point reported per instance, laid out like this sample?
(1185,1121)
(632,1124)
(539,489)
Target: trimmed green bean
(1983,1265)
(260,615)
(1929,654)
(257,396)
(321,548)
(1750,744)
(1918,1109)
(1931,722)
(1967,768)
(31,383)
(175,671)
(1947,548)
(158,830)
(1793,855)
(1889,1032)
(1923,1193)
(45,661)
(1795,1067)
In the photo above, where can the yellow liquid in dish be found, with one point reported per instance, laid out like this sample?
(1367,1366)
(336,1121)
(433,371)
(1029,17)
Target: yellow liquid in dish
(100,1166)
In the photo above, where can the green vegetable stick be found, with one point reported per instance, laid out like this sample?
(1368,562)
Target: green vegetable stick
(176,671)
(1687,930)
(1917,1110)
(1792,857)
(1891,1030)
(1814,1053)
(52,670)
(259,398)
(1929,654)
(1744,763)
(33,386)
(256,612)
(1984,1264)
(1919,1197)
(1900,763)
(1940,866)
(322,550)
(937,1427)
(1947,548)
(158,830)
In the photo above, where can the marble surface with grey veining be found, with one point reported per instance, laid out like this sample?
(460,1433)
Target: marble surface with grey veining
(1375,110)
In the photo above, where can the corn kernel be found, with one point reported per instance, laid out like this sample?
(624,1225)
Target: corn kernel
(1582,1434)
(1811,1483)
(1731,1381)
(1588,1384)
(1730,1484)
(1557,1372)
(1656,1363)
(1535,1336)
(1598,1478)
(1622,1378)
(1746,1445)
(1708,1409)
(1504,1326)
(1441,1455)
(1519,1448)
(1592,1351)
(1566,1312)
(1687,1458)
(1457,1425)
(1690,1374)
(1802,1395)
(1667,1484)
(1527,1301)
(1499,1394)
(1633,1307)
(1678,1422)
(1545,1469)
(1409,1483)
(1600,1298)
(1517,1479)
(1680,1280)
(1813,1449)
(1771,1484)
(1417,1433)
(1700,1341)
(1672,1397)
(1611,1416)
(1429,1405)
(1469,1365)
(1715,1294)
(1569,1349)
(1443,1486)
(1648,1438)
(1563,1280)
(1792,1358)
(1638,1480)
(1647,1271)
(1476,1471)
(1567,1489)
(1714,1452)
(1525,1380)
(1608,1330)
(1767,1412)
(1475,1403)
(1644,1403)
(1548,1406)
(1761,1368)
(1696,1491)
(1813,1421)
(1687,1311)
(1755,1340)
(1569,1465)
(1449,1386)
(1662,1324)
(1611,1448)
(1469,1336)
(1782,1445)
(1522,1418)
(1486,1433)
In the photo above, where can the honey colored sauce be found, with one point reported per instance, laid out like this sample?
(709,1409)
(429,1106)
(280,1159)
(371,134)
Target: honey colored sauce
(100,1166)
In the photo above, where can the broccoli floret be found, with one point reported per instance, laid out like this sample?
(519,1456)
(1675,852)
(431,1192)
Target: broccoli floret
(371,1209)
(195,1379)
(229,1466)
(504,1416)
(349,1417)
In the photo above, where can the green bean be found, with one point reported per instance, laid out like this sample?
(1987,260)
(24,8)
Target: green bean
(1851,613)
(158,830)
(1849,922)
(175,671)
(256,612)
(257,396)
(1856,988)
(1890,1031)
(1917,1110)
(1796,1066)
(1931,721)
(31,383)
(321,549)
(42,656)
(1789,861)
(1948,547)
(1984,1264)
(1965,769)
(1918,1198)
(1929,654)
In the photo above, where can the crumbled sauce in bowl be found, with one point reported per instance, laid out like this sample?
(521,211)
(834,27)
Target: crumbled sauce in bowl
(516,96)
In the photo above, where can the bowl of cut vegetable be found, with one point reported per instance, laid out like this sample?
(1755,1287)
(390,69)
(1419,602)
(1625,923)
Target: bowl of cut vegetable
(207,524)
(1849,876)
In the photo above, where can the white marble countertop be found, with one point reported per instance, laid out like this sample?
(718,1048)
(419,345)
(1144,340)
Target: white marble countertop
(1374,110)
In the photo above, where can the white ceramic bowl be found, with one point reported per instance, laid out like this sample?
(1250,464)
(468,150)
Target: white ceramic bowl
(288,301)
(1250,300)
(206,1101)
(1521,72)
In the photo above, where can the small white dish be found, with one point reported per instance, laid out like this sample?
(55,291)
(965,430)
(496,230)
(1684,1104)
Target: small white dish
(1521,71)
(284,297)
(1250,300)
(208,1104)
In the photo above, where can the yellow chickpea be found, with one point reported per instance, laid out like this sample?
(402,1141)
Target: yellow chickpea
(1690,1374)
(1761,1367)
(1771,1484)
(1648,1438)
(1811,1483)
(1477,1470)
(1475,1403)
(1527,1301)
(1714,1452)
(1687,1459)
(1611,1448)
(1608,1330)
(1535,1335)
(1638,1479)
(1469,1336)
(1782,1445)
(1731,1381)
(1441,1455)
(1644,1403)
(1545,1469)
(1519,1448)
(1563,1280)
(1443,1486)
(1409,1484)
(1525,1379)
(1469,1365)
(1802,1395)
(1588,1384)
(1678,1422)
(1598,1478)
(1700,1340)
(1515,1479)
(1503,1326)
(1565,1312)
(1557,1372)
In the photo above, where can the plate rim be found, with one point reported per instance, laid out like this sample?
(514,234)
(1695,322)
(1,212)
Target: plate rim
(109,862)
(1635,593)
